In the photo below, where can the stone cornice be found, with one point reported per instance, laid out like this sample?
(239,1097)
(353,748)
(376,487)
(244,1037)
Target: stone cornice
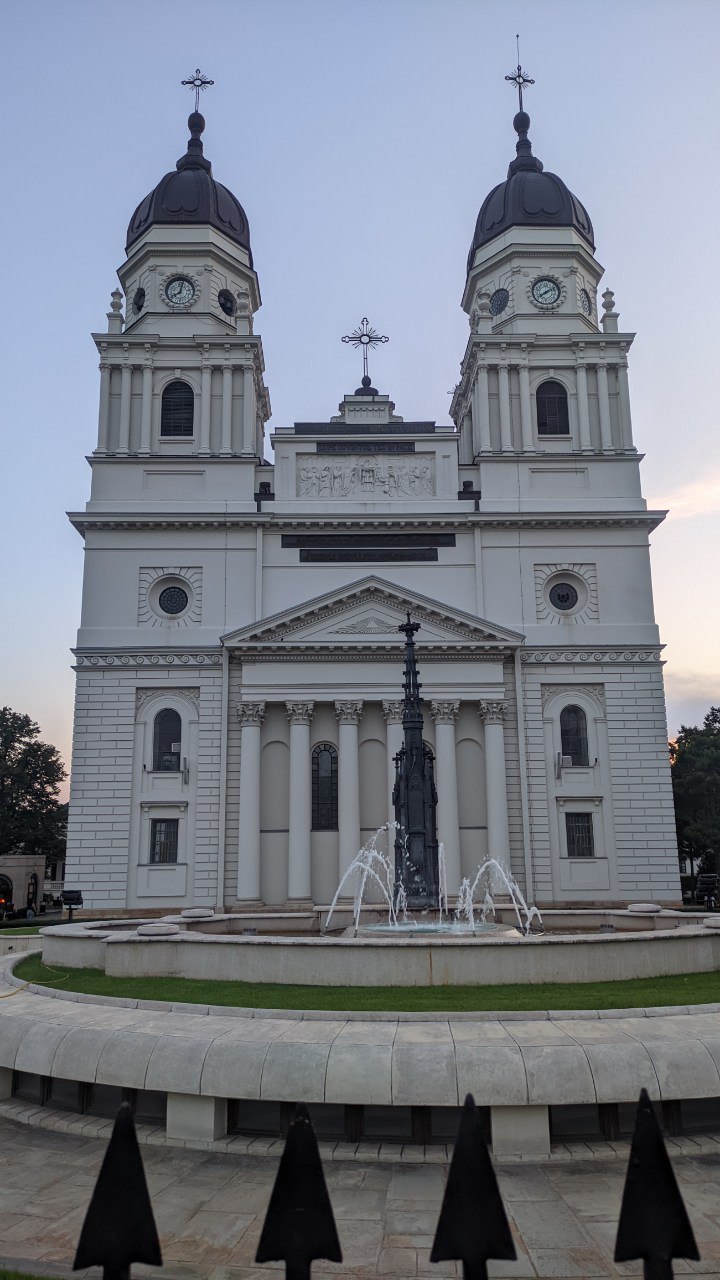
(648,520)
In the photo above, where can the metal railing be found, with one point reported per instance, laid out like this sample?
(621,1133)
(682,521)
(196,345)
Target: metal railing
(299,1228)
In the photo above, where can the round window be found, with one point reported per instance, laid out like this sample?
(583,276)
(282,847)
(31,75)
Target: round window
(499,301)
(173,600)
(562,596)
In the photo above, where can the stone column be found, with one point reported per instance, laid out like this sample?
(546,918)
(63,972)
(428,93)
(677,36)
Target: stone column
(227,390)
(393,713)
(104,410)
(251,716)
(249,413)
(526,410)
(146,415)
(348,716)
(448,819)
(624,397)
(125,400)
(604,407)
(299,878)
(205,406)
(583,408)
(493,715)
(483,410)
(505,421)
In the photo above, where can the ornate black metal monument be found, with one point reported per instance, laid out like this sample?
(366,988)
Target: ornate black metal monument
(414,796)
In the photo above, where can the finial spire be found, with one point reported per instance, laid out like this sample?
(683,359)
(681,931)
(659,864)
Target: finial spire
(519,79)
(197,82)
(365,336)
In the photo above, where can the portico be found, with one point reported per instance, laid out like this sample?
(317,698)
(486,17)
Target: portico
(315,688)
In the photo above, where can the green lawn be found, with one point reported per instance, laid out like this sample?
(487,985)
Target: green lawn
(685,988)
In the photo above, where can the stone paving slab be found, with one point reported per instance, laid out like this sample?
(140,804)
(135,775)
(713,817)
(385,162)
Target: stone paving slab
(210,1209)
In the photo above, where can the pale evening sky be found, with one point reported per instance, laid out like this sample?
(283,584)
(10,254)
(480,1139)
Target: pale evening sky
(361,136)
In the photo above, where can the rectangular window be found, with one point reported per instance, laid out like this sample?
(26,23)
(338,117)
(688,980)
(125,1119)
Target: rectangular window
(579,830)
(164,839)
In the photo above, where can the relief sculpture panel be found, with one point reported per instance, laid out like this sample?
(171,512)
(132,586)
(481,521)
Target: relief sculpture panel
(366,475)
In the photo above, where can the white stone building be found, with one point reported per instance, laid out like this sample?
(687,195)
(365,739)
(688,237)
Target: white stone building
(238,660)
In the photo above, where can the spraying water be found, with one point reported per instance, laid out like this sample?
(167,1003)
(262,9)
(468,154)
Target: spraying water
(371,866)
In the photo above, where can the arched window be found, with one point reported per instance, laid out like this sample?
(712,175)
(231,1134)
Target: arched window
(552,409)
(178,403)
(573,735)
(324,787)
(167,733)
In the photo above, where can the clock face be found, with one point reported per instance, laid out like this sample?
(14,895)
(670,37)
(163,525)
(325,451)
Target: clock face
(585,302)
(546,292)
(499,301)
(180,291)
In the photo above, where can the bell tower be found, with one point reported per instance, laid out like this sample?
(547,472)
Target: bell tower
(542,374)
(182,370)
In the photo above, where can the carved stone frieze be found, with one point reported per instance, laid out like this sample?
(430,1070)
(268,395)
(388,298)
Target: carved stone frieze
(148,660)
(300,712)
(444,712)
(348,712)
(492,712)
(590,655)
(251,713)
(366,475)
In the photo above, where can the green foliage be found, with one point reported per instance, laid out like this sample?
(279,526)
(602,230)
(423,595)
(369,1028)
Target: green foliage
(695,766)
(633,993)
(31,820)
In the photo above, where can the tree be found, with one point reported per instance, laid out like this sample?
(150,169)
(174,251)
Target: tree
(31,819)
(695,766)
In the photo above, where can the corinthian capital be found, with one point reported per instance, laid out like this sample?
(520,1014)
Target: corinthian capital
(444,712)
(393,711)
(300,712)
(492,712)
(251,713)
(348,712)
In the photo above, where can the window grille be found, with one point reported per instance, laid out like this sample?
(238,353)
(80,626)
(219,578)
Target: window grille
(552,409)
(178,405)
(164,839)
(167,734)
(573,735)
(324,788)
(579,829)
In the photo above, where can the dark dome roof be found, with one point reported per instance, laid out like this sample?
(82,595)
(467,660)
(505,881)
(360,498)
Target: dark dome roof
(529,197)
(190,195)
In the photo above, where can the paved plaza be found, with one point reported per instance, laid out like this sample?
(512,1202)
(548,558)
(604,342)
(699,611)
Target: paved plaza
(210,1208)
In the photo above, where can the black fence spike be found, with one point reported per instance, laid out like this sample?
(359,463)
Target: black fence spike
(119,1226)
(299,1225)
(654,1224)
(473,1225)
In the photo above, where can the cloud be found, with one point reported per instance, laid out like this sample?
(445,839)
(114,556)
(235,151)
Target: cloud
(698,498)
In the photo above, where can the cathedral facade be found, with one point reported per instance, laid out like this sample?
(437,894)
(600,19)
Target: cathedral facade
(239,662)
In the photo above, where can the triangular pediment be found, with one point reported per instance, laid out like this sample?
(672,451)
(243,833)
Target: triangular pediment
(365,616)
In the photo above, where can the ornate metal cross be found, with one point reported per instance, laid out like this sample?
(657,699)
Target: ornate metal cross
(365,336)
(519,79)
(197,82)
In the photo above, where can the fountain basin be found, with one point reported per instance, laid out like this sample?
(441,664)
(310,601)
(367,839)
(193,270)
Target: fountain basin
(684,945)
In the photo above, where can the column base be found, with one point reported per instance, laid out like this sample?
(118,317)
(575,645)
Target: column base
(247,904)
(300,904)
